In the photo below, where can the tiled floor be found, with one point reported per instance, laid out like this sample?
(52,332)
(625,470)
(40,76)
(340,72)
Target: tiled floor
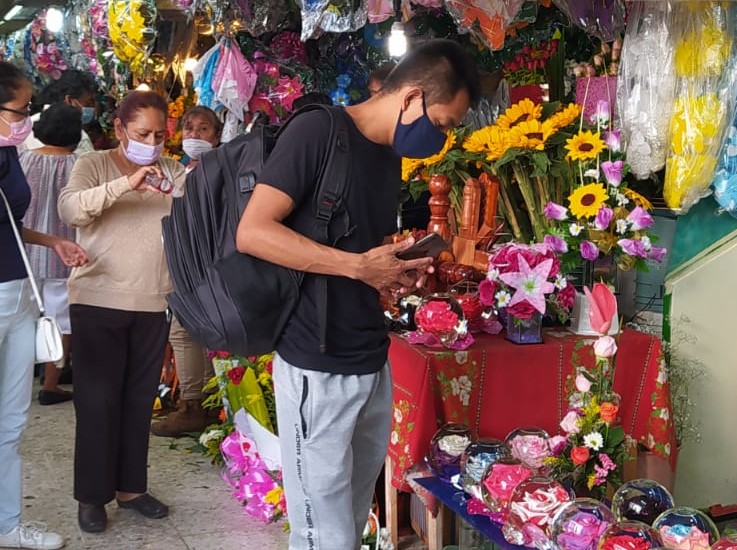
(203,515)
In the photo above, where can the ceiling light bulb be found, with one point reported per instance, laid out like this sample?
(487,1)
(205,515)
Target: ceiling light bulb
(54,20)
(190,63)
(143,87)
(397,40)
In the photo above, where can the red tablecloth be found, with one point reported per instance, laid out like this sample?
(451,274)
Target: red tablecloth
(496,386)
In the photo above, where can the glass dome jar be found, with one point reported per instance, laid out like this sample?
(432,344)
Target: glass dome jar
(727,542)
(442,316)
(629,535)
(466,294)
(500,480)
(580,524)
(641,500)
(532,508)
(446,450)
(477,457)
(685,528)
(530,446)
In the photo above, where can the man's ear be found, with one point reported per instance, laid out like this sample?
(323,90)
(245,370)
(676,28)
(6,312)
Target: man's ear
(411,94)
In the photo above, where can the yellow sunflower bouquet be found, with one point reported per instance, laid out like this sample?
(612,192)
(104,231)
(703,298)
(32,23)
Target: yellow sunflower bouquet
(524,149)
(600,216)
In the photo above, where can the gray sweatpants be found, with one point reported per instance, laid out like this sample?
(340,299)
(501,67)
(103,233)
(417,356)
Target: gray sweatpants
(333,432)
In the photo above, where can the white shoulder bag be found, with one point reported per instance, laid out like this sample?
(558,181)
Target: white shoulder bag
(48,334)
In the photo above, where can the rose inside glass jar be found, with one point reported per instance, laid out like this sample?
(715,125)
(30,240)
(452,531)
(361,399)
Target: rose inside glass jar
(162,184)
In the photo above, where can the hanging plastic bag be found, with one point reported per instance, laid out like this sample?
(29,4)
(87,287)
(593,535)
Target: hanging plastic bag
(234,80)
(646,87)
(338,16)
(487,20)
(725,178)
(202,76)
(260,17)
(703,37)
(604,19)
(132,31)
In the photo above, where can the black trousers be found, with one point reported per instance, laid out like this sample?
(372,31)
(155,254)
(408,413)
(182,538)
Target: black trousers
(117,367)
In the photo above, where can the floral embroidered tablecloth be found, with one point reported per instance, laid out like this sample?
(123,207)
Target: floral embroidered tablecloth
(496,386)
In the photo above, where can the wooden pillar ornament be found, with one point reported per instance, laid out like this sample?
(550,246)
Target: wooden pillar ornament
(439,203)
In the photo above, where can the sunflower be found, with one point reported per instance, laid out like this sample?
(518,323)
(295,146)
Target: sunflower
(638,199)
(531,134)
(584,146)
(450,141)
(586,201)
(478,141)
(525,110)
(410,167)
(566,117)
(498,143)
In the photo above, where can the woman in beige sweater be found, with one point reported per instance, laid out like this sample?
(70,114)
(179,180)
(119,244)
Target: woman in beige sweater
(117,307)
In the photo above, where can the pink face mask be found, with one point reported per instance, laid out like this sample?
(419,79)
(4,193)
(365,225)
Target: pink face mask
(19,131)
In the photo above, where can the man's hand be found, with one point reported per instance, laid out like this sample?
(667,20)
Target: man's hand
(381,269)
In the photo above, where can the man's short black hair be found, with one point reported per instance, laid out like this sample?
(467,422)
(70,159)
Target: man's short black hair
(60,125)
(442,68)
(73,83)
(382,71)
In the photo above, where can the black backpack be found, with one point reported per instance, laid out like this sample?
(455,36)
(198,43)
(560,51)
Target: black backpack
(232,301)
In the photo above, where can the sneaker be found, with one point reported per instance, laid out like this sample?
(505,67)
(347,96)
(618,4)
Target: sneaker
(31,535)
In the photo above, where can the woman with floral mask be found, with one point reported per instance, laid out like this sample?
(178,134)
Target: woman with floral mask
(116,199)
(17,311)
(201,129)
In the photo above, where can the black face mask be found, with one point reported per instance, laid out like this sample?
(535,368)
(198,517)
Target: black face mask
(419,139)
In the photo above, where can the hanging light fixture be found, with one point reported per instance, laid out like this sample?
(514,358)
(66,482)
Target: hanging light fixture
(397,43)
(54,20)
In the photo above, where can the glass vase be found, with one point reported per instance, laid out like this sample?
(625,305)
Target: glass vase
(525,331)
(477,457)
(442,316)
(446,449)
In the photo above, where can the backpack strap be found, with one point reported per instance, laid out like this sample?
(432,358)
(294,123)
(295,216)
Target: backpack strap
(332,185)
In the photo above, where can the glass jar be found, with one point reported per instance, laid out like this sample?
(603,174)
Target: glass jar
(499,482)
(442,316)
(580,524)
(477,457)
(626,535)
(466,294)
(727,542)
(641,500)
(532,507)
(524,331)
(530,446)
(446,450)
(685,528)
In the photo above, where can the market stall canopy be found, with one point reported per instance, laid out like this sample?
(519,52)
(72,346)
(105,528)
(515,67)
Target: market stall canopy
(16,14)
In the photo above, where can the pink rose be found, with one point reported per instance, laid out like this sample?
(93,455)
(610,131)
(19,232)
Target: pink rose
(557,244)
(605,347)
(531,450)
(603,218)
(583,384)
(640,219)
(567,296)
(554,211)
(539,506)
(436,317)
(487,291)
(502,481)
(657,253)
(569,424)
(589,251)
(581,532)
(522,310)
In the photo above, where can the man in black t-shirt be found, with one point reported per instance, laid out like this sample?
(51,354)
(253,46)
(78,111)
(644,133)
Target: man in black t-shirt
(334,409)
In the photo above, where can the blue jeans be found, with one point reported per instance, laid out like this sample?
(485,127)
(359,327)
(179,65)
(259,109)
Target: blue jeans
(17,348)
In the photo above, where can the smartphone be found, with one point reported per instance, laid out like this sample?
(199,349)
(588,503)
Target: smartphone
(427,247)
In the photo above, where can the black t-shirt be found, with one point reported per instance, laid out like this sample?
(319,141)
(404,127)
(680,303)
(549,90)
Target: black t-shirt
(357,340)
(14,185)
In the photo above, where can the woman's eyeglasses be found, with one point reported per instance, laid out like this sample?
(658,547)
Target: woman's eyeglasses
(26,112)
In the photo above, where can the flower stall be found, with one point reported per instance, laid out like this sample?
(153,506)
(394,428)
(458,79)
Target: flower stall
(594,115)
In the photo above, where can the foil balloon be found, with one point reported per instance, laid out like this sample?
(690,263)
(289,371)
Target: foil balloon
(132,31)
(604,19)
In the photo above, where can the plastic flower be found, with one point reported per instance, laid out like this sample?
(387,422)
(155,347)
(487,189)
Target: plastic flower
(503,298)
(639,219)
(657,253)
(601,115)
(613,171)
(575,229)
(584,146)
(613,140)
(621,227)
(588,250)
(633,247)
(637,198)
(566,117)
(593,441)
(531,284)
(587,200)
(583,384)
(602,307)
(556,244)
(554,211)
(288,90)
(491,140)
(410,167)
(525,110)
(603,218)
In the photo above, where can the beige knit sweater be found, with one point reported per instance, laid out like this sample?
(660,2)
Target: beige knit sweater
(120,229)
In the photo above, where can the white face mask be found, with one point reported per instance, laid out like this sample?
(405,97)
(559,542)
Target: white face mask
(195,148)
(140,153)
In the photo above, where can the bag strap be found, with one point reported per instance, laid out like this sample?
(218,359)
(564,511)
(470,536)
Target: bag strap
(23,254)
(329,199)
